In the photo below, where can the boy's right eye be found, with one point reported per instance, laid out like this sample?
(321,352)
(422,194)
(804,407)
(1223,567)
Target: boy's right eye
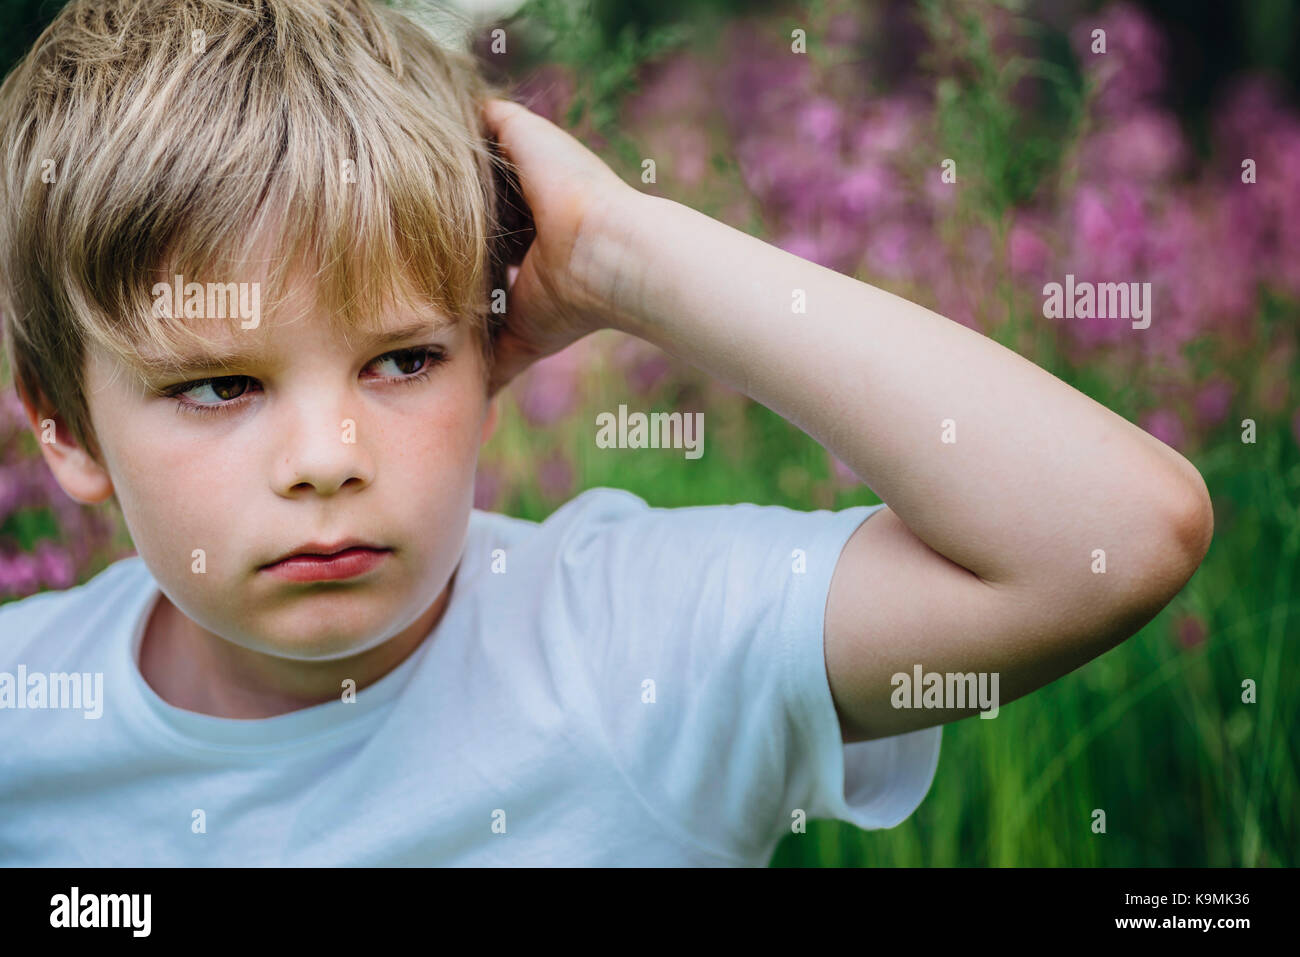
(219,386)
(225,388)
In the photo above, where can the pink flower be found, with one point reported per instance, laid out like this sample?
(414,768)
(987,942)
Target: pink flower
(550,387)
(844,29)
(819,122)
(940,195)
(643,364)
(888,126)
(1027,253)
(804,246)
(54,565)
(1250,107)
(794,182)
(1132,70)
(1190,631)
(690,151)
(760,78)
(1166,426)
(1212,403)
(555,476)
(863,191)
(13,417)
(19,574)
(671,87)
(487,487)
(1145,146)
(1094,225)
(27,483)
(887,250)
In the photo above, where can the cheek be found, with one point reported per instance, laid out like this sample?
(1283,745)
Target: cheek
(170,475)
(425,466)
(437,436)
(153,473)
(175,504)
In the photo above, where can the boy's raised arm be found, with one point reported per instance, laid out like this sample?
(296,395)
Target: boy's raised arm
(1005,486)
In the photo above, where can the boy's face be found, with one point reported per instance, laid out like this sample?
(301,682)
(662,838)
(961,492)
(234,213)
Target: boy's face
(311,439)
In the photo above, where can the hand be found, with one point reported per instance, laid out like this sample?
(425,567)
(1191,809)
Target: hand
(555,298)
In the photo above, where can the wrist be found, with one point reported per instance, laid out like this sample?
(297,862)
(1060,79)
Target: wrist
(612,256)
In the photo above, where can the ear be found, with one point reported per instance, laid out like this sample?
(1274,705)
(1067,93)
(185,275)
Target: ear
(76,471)
(490,422)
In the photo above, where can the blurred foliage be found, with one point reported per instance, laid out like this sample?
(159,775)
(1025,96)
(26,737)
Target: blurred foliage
(567,34)
(21,22)
(976,107)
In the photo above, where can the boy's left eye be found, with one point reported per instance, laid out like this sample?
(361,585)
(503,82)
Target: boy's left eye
(410,366)
(413,357)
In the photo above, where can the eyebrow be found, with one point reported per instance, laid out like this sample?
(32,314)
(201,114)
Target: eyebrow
(151,364)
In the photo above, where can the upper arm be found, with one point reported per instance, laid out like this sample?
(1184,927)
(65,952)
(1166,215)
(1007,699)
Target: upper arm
(895,604)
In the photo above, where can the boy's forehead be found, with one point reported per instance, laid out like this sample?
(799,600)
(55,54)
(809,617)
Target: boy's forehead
(240,326)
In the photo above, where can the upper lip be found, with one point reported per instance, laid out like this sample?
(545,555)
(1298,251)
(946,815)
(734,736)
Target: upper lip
(321,548)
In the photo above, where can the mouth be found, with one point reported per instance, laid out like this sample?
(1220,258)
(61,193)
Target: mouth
(316,562)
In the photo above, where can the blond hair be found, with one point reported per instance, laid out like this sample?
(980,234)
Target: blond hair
(146,137)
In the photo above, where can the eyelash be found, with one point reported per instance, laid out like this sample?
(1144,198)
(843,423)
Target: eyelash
(436,356)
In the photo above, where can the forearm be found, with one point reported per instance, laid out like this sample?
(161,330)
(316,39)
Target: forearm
(1039,474)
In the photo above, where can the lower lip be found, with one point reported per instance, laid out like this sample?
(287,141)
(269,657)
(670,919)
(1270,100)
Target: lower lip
(314,568)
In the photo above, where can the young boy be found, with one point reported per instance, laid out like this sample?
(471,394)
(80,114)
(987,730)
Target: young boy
(616,685)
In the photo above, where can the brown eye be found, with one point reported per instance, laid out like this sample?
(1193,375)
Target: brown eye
(226,391)
(413,360)
(225,387)
(412,365)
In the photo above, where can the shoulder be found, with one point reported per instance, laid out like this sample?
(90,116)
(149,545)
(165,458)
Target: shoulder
(614,520)
(587,511)
(595,505)
(613,532)
(27,620)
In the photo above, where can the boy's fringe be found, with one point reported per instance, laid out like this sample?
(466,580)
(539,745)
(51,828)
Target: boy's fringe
(147,138)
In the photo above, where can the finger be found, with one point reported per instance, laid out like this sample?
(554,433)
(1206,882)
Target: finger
(497,111)
(503,119)
(519,129)
(539,148)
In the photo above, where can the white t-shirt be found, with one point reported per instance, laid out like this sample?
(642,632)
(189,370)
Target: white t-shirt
(639,686)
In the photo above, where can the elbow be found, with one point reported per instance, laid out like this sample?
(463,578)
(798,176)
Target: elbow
(1172,550)
(1187,526)
(1161,546)
(1192,520)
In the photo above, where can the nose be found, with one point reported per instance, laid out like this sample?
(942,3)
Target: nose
(322,450)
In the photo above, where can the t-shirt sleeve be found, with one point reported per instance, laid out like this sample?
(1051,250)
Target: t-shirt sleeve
(704,647)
